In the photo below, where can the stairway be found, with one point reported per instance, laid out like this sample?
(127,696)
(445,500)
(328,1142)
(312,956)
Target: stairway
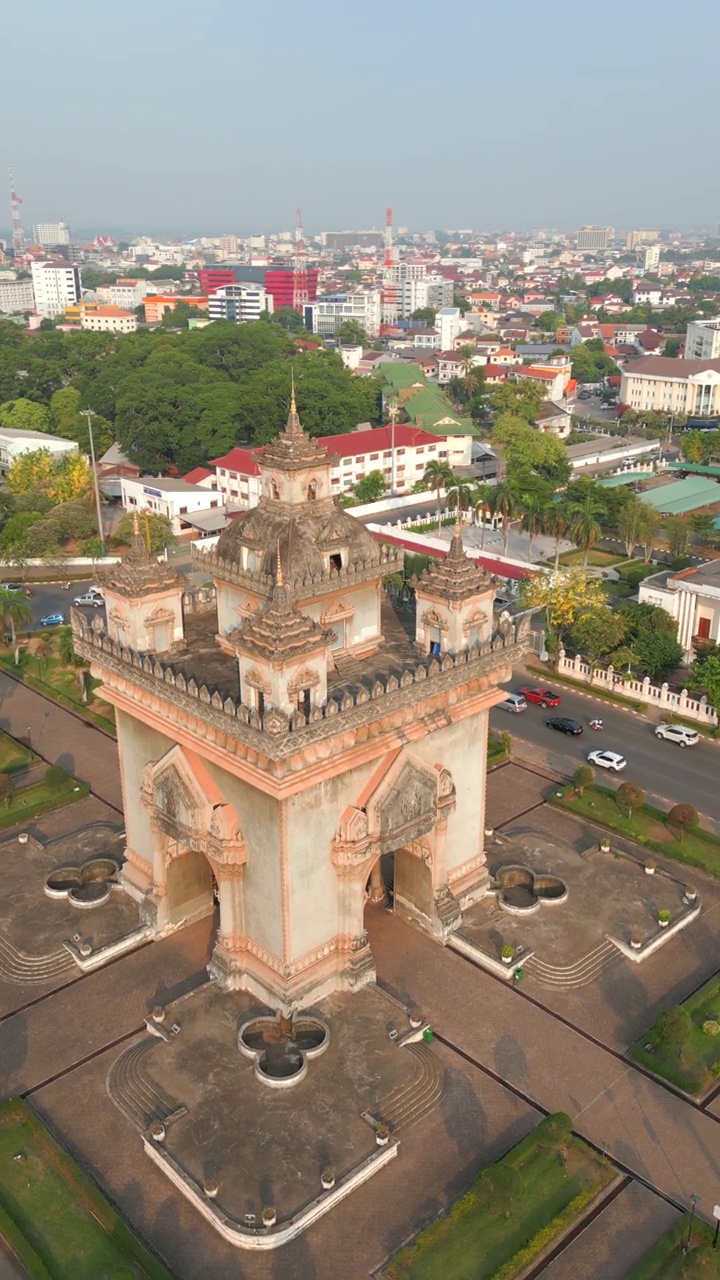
(579,974)
(411,1102)
(134,1094)
(23,970)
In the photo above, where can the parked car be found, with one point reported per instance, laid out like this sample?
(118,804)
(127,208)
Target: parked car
(96,591)
(11,586)
(545,697)
(90,599)
(52,620)
(564,724)
(607,760)
(680,734)
(514,702)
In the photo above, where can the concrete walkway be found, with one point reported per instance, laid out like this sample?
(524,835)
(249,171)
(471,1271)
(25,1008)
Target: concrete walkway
(61,738)
(665,1141)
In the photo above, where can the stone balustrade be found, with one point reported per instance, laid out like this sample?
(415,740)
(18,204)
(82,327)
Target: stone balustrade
(389,559)
(662,696)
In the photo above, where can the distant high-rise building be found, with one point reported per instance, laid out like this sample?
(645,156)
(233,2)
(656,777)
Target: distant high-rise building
(702,340)
(229,246)
(327,315)
(213,278)
(49,234)
(55,288)
(651,257)
(591,239)
(280,284)
(636,239)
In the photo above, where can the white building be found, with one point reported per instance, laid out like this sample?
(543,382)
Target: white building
(108,320)
(16,295)
(127,293)
(702,340)
(355,455)
(651,257)
(51,233)
(592,239)
(692,598)
(167,496)
(608,453)
(14,443)
(672,386)
(55,288)
(448,323)
(239,302)
(327,316)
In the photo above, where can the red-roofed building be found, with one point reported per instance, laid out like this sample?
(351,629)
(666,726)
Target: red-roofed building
(357,452)
(202,477)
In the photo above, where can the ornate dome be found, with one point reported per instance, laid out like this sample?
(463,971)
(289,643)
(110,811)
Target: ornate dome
(304,536)
(457,577)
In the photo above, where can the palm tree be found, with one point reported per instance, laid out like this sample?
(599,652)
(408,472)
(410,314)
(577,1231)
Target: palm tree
(481,503)
(532,518)
(460,494)
(438,475)
(585,527)
(69,658)
(504,502)
(556,522)
(16,612)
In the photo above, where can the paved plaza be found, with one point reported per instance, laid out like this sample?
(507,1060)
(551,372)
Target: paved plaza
(501,1054)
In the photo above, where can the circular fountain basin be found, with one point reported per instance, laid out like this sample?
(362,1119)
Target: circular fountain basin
(522,891)
(86,886)
(281,1060)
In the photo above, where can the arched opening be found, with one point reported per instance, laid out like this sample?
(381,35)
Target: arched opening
(413,887)
(190,888)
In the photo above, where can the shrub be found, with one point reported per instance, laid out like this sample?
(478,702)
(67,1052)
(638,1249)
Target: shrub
(664,916)
(555,1129)
(711,1027)
(6,789)
(683,816)
(507,951)
(715,1069)
(504,1186)
(55,776)
(629,797)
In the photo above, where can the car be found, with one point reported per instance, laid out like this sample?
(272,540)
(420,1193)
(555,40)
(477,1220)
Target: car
(12,586)
(607,760)
(514,702)
(545,697)
(90,599)
(564,724)
(95,591)
(680,734)
(52,620)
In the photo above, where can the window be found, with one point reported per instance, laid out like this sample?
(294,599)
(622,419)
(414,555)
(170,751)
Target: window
(303,702)
(312,491)
(336,562)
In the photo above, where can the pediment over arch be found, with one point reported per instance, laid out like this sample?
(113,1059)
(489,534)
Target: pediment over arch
(188,806)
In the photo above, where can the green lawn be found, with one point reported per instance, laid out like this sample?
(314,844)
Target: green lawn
(667,1261)
(49,677)
(495,1231)
(55,1220)
(648,826)
(13,755)
(29,802)
(691,1067)
(596,559)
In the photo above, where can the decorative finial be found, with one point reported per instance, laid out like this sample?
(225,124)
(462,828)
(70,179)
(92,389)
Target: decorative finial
(293,407)
(278,568)
(457,526)
(136,526)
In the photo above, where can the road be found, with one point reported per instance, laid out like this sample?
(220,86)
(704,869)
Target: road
(665,772)
(50,598)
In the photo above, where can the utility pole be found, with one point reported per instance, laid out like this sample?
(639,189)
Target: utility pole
(90,414)
(393,411)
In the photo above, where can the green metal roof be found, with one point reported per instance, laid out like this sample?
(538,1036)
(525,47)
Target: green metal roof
(682,495)
(625,477)
(429,408)
(695,468)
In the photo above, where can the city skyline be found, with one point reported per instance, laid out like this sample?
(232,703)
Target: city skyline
(211,123)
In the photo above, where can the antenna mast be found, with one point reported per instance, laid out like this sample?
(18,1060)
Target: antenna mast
(389,290)
(18,236)
(301,296)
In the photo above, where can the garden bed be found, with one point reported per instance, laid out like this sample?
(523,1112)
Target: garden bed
(14,756)
(647,826)
(694,1063)
(596,559)
(30,802)
(514,1211)
(668,1262)
(56,1222)
(49,677)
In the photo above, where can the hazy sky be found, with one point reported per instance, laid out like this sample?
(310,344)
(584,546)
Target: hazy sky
(223,115)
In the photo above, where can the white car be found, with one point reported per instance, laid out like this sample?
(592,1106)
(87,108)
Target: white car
(607,760)
(677,733)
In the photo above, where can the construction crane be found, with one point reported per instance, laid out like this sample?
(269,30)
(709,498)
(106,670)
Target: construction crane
(389,297)
(301,296)
(18,236)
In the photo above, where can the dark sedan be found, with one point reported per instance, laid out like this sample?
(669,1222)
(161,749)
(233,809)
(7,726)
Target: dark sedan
(564,724)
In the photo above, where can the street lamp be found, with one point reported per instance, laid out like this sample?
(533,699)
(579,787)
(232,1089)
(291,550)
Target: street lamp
(29,736)
(693,1202)
(89,414)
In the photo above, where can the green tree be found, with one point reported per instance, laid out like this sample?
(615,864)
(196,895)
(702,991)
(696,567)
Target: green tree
(6,789)
(533,519)
(179,315)
(55,777)
(549,321)
(482,506)
(352,334)
(705,678)
(460,494)
(596,634)
(156,529)
(630,524)
(463,304)
(68,656)
(582,778)
(658,653)
(504,502)
(290,319)
(703,527)
(438,476)
(371,487)
(674,1027)
(684,817)
(677,532)
(13,539)
(16,613)
(522,399)
(525,449)
(425,315)
(329,399)
(24,415)
(585,527)
(648,528)
(629,798)
(565,595)
(556,523)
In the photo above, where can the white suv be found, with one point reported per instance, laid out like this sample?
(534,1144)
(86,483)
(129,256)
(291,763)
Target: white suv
(678,733)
